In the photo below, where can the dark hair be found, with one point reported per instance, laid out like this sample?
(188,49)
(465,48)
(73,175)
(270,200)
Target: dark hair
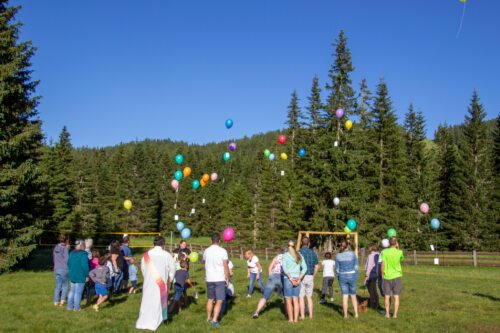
(125,240)
(328,255)
(184,264)
(182,241)
(374,247)
(393,241)
(215,238)
(159,241)
(62,238)
(95,253)
(115,244)
(103,260)
(305,241)
(344,245)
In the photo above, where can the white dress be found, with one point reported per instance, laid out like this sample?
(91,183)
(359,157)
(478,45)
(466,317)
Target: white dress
(150,314)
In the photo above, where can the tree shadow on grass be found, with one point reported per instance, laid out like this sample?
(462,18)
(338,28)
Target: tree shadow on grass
(490,297)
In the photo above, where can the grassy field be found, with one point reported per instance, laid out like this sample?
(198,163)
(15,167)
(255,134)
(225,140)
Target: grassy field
(435,299)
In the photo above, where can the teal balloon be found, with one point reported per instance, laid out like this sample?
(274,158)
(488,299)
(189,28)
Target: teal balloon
(179,159)
(196,184)
(352,224)
(226,156)
(435,224)
(178,175)
(267,152)
(186,233)
(391,232)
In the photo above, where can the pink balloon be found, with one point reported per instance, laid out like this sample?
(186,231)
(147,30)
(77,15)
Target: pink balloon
(339,113)
(175,184)
(214,176)
(424,208)
(228,234)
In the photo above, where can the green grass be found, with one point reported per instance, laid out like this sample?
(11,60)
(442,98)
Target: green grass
(435,299)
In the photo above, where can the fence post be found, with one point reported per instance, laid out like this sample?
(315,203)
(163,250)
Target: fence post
(362,259)
(474,258)
(415,262)
(267,257)
(241,253)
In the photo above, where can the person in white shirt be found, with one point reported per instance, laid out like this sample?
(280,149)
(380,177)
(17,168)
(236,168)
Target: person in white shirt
(328,277)
(217,278)
(254,272)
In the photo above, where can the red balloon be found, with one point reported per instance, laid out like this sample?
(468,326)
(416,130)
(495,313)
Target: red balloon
(282,139)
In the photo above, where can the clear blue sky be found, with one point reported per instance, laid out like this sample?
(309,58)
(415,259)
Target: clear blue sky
(115,71)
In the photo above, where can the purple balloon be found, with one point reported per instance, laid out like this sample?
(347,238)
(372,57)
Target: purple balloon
(232,146)
(339,113)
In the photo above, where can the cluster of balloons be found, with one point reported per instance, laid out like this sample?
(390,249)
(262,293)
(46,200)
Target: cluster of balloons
(127,204)
(232,146)
(424,209)
(228,234)
(179,174)
(340,114)
(351,225)
(283,156)
(185,232)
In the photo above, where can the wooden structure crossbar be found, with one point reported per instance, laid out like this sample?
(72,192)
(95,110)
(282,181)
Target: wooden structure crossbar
(309,233)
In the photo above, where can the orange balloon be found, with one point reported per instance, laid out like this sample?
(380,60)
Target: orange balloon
(186,172)
(205,178)
(203,183)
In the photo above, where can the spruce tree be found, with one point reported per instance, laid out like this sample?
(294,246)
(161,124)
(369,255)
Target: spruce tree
(22,190)
(294,121)
(315,107)
(415,151)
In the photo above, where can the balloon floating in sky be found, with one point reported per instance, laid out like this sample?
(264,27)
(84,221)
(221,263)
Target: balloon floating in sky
(193,257)
(196,184)
(179,158)
(186,233)
(284,156)
(352,224)
(391,232)
(228,234)
(339,113)
(127,204)
(267,152)
(336,201)
(348,125)
(214,176)
(271,157)
(282,139)
(186,172)
(232,146)
(302,152)
(229,123)
(180,225)
(178,175)
(175,184)
(435,224)
(424,208)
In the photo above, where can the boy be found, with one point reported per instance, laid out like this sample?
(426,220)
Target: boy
(132,275)
(328,277)
(100,276)
(181,279)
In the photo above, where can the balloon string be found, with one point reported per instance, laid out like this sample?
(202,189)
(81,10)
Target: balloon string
(461,22)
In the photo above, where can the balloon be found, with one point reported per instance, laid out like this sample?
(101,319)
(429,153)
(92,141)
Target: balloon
(229,123)
(352,224)
(336,201)
(385,243)
(186,172)
(435,224)
(214,176)
(391,232)
(284,156)
(226,156)
(205,177)
(179,158)
(347,230)
(175,184)
(186,233)
(302,152)
(424,208)
(180,225)
(196,184)
(232,146)
(348,125)
(203,183)
(282,139)
(267,153)
(178,175)
(339,113)
(193,257)
(127,204)
(228,234)
(271,157)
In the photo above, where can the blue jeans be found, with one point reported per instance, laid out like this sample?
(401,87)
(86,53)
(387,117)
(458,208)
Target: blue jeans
(273,282)
(75,296)
(61,276)
(290,290)
(117,282)
(253,277)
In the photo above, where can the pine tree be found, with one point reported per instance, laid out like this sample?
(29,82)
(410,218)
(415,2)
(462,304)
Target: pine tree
(315,108)
(22,190)
(237,213)
(294,121)
(415,151)
(363,110)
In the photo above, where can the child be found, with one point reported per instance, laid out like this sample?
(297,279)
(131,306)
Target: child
(100,276)
(112,274)
(89,285)
(181,279)
(328,277)
(229,289)
(132,275)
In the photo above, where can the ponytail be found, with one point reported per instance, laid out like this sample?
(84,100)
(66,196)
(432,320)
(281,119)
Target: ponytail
(293,252)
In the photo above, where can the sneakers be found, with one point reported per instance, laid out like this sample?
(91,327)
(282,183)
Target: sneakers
(95,307)
(255,316)
(215,324)
(331,299)
(56,304)
(249,296)
(322,301)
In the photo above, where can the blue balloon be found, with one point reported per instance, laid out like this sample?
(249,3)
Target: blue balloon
(271,157)
(178,175)
(179,158)
(352,224)
(435,224)
(196,184)
(186,233)
(180,225)
(229,123)
(302,152)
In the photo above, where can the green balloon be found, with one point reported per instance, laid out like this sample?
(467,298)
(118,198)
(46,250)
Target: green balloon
(267,152)
(391,232)
(226,156)
(193,257)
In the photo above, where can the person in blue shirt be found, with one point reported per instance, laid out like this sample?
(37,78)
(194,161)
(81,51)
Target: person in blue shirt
(127,256)
(346,264)
(307,284)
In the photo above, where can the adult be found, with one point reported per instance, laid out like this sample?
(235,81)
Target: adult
(89,244)
(182,249)
(127,256)
(347,267)
(392,273)
(117,260)
(385,244)
(60,256)
(254,272)
(274,281)
(307,284)
(217,278)
(78,268)
(372,274)
(158,270)
(294,269)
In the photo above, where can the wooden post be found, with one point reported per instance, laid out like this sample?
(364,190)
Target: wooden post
(474,258)
(356,243)
(267,257)
(415,262)
(362,259)
(299,239)
(241,253)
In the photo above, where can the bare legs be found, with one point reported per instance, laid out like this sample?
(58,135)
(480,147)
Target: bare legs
(292,309)
(396,306)
(216,310)
(345,306)
(387,303)
(260,306)
(302,307)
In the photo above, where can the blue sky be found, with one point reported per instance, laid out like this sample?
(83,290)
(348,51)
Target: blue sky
(115,71)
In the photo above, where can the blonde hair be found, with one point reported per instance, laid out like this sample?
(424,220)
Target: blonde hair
(249,253)
(293,252)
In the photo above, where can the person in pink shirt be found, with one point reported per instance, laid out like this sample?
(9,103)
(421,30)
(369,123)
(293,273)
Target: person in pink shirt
(372,273)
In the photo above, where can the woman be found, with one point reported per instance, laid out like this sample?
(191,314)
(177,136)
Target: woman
(60,256)
(294,269)
(254,272)
(371,269)
(117,261)
(78,266)
(346,263)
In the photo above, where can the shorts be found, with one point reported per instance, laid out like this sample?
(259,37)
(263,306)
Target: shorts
(216,290)
(134,284)
(290,290)
(100,289)
(274,281)
(392,287)
(347,283)
(307,286)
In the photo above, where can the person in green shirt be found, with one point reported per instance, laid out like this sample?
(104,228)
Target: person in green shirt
(391,274)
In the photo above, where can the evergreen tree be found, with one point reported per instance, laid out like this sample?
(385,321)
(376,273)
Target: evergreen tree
(415,150)
(294,121)
(237,213)
(315,108)
(22,190)
(363,110)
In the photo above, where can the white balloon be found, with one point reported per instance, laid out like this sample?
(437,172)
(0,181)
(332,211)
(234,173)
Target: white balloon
(385,243)
(336,201)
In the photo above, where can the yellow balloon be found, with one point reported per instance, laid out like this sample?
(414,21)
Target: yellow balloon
(127,204)
(284,156)
(463,1)
(348,125)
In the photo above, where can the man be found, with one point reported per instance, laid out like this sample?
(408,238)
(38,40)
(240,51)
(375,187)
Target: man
(392,273)
(158,270)
(307,284)
(127,256)
(217,278)
(182,249)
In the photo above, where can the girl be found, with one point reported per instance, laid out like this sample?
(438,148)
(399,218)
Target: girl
(100,276)
(346,263)
(254,271)
(89,285)
(371,269)
(294,269)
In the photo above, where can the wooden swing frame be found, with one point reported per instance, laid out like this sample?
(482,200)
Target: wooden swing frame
(308,233)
